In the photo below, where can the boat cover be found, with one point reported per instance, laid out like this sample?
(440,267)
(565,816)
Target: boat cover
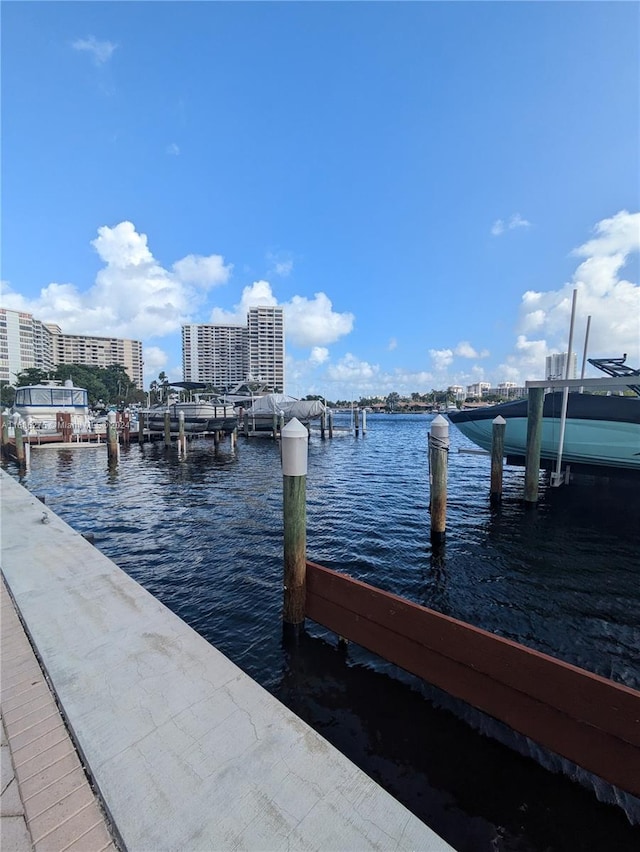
(279,403)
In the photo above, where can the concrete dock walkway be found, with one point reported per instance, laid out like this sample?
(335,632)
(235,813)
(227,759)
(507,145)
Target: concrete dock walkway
(184,750)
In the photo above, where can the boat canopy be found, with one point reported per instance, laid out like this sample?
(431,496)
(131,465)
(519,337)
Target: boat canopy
(279,403)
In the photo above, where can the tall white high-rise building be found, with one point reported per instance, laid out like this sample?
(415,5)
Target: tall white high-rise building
(215,354)
(266,346)
(556,364)
(16,344)
(227,355)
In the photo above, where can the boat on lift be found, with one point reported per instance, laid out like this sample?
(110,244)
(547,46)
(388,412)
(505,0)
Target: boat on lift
(602,430)
(204,412)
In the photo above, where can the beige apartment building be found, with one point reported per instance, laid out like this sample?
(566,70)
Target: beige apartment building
(26,342)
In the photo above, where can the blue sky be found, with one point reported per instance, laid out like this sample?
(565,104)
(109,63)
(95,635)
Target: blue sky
(421,185)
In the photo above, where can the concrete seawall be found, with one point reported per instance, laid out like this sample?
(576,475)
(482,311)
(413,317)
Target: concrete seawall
(187,752)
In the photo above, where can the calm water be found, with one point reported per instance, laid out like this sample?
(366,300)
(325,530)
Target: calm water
(204,536)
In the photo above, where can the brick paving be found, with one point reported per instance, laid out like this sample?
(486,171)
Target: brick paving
(46,804)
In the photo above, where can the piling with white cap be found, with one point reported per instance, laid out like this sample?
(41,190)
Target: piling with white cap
(167,428)
(182,441)
(112,438)
(438,463)
(295,441)
(497,454)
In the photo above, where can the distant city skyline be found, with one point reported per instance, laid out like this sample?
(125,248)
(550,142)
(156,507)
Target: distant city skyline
(419,186)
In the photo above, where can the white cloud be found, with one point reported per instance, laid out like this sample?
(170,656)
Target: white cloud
(254,295)
(465,350)
(308,322)
(618,235)
(101,51)
(155,361)
(351,370)
(319,354)
(441,358)
(280,263)
(515,221)
(173,149)
(603,293)
(205,272)
(313,322)
(133,296)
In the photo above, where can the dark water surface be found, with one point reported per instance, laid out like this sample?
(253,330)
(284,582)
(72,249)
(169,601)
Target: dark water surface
(204,535)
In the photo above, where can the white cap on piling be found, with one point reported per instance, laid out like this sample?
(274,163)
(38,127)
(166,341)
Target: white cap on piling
(295,440)
(181,416)
(111,417)
(440,427)
(499,420)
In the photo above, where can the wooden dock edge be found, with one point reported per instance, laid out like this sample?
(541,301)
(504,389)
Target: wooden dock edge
(591,721)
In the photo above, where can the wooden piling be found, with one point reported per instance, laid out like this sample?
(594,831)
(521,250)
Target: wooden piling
(295,440)
(19,438)
(274,425)
(233,439)
(167,428)
(323,424)
(330,424)
(438,464)
(112,438)
(140,428)
(125,421)
(497,457)
(534,439)
(182,441)
(246,424)
(5,435)
(364,421)
(356,421)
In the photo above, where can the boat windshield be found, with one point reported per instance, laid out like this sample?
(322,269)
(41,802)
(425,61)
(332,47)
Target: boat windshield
(53,396)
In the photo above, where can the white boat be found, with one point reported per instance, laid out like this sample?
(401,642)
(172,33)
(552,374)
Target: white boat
(601,431)
(36,407)
(264,408)
(202,414)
